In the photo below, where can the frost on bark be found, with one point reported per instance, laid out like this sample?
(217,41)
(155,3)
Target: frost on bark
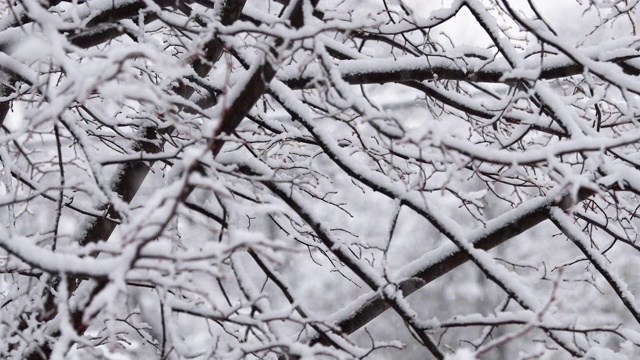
(319,179)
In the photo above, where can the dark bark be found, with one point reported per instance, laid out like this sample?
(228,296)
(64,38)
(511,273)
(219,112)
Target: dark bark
(506,231)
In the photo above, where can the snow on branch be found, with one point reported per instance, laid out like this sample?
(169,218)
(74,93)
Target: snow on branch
(265,179)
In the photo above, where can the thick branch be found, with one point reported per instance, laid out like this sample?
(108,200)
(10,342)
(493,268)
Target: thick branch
(382,71)
(442,260)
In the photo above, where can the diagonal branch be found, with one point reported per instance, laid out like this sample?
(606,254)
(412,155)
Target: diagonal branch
(439,262)
(565,223)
